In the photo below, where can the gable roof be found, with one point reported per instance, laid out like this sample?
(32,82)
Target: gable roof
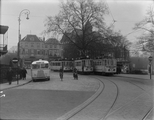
(31,38)
(52,41)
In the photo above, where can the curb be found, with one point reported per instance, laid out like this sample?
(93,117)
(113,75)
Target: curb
(83,105)
(16,86)
(134,77)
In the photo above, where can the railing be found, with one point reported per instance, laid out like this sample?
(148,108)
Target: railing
(3,47)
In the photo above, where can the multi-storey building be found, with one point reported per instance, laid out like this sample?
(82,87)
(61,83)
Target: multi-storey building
(34,48)
(3,39)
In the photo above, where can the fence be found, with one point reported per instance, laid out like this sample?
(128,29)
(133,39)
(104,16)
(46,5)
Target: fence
(3,73)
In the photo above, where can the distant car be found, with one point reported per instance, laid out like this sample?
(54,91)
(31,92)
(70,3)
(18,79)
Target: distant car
(140,71)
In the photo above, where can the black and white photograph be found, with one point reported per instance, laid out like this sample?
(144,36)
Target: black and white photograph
(77,60)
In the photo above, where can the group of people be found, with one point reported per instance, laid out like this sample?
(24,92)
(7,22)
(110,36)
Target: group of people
(75,73)
(22,72)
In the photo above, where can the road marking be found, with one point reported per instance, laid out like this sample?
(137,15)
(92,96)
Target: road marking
(3,94)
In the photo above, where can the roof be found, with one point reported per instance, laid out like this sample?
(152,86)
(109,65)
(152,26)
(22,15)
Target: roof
(52,40)
(40,61)
(31,38)
(3,29)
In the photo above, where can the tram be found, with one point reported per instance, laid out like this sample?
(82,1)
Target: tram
(84,66)
(66,64)
(105,66)
(55,65)
(40,70)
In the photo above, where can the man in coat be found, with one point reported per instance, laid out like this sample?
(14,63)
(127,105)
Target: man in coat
(24,72)
(9,75)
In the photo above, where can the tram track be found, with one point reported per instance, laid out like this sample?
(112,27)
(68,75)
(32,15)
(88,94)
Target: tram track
(150,110)
(147,92)
(109,111)
(80,108)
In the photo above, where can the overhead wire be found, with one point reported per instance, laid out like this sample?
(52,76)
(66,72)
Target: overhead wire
(110,13)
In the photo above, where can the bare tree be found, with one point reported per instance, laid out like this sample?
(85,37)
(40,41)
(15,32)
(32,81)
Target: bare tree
(78,21)
(146,41)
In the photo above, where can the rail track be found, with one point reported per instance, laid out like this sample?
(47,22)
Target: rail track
(109,112)
(145,91)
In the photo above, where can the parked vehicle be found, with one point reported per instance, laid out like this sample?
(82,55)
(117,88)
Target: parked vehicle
(40,70)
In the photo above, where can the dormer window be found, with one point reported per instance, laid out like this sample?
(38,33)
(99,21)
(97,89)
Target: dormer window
(31,38)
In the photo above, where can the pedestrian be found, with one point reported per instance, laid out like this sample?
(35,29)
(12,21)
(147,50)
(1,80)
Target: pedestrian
(9,75)
(24,72)
(61,73)
(75,73)
(21,73)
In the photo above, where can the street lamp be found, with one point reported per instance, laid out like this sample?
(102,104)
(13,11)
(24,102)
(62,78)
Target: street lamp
(26,12)
(150,66)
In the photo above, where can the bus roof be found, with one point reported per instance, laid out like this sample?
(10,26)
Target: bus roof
(40,61)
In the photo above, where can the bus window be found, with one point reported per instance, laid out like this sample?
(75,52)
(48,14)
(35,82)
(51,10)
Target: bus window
(44,65)
(35,66)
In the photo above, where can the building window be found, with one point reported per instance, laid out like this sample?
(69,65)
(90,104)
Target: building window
(26,51)
(23,51)
(50,52)
(38,45)
(55,46)
(38,52)
(46,46)
(32,51)
(32,44)
(50,46)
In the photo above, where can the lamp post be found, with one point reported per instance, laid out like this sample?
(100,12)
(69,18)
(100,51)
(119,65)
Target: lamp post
(26,12)
(150,66)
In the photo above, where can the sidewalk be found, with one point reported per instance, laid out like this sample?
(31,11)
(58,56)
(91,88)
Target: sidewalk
(137,76)
(5,86)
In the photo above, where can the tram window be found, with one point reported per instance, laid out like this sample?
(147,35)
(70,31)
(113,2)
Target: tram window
(108,62)
(111,61)
(105,62)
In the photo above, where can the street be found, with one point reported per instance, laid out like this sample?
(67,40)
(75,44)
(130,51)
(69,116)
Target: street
(49,100)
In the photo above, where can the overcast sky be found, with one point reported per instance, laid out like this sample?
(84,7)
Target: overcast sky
(125,12)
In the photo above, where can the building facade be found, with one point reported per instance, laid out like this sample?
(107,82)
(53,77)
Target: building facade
(3,39)
(34,48)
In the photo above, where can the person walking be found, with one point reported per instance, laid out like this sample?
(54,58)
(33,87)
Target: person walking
(61,73)
(21,73)
(9,75)
(24,72)
(75,73)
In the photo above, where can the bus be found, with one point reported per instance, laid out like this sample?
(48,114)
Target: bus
(40,70)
